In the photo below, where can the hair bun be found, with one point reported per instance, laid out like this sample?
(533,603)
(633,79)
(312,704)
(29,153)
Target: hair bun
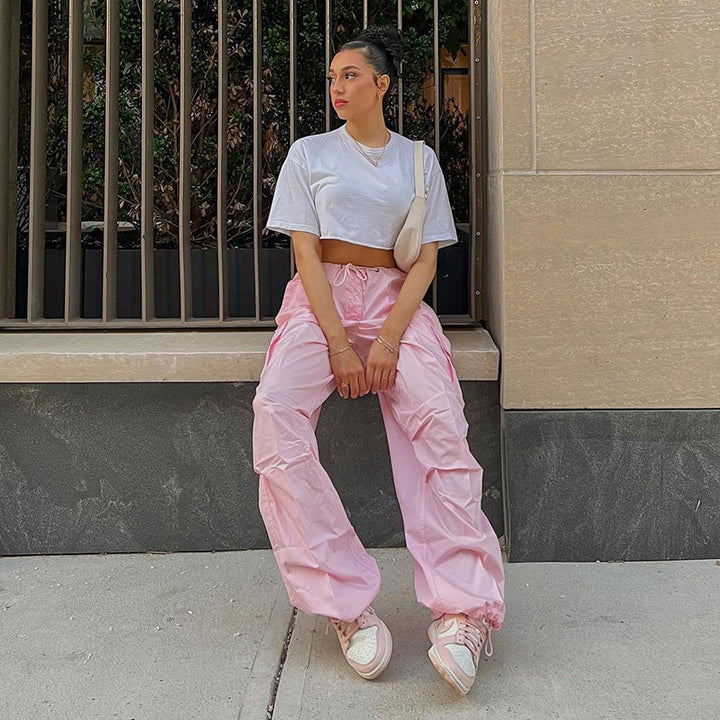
(389,38)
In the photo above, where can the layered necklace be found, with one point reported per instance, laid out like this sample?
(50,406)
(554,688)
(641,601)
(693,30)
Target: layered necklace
(374,161)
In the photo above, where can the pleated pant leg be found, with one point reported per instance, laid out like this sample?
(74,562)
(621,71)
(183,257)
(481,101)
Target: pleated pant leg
(323,564)
(439,483)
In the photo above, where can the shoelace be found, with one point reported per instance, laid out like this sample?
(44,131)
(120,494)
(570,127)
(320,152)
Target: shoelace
(360,270)
(476,635)
(348,628)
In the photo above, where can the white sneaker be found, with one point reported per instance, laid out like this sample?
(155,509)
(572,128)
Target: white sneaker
(366,643)
(457,643)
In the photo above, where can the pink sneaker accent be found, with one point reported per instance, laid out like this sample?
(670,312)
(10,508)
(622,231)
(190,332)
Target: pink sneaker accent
(457,643)
(365,641)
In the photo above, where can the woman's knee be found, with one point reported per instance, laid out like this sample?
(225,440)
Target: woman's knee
(272,396)
(282,433)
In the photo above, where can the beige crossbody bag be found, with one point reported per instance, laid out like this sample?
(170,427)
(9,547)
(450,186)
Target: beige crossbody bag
(407,244)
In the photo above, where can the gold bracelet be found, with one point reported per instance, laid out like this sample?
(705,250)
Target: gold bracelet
(336,352)
(384,342)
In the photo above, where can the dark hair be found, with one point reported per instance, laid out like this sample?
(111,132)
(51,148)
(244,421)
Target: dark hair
(383,46)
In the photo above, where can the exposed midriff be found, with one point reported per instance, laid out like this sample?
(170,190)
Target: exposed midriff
(341,251)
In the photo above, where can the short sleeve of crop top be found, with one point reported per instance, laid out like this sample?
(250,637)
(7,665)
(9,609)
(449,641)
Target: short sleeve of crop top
(293,206)
(316,199)
(439,222)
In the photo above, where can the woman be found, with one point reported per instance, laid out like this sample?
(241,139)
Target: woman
(352,320)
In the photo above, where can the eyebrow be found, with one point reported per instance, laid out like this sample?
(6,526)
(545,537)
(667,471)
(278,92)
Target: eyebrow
(347,67)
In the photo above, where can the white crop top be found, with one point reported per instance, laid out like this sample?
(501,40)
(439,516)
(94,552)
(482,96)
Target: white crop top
(326,187)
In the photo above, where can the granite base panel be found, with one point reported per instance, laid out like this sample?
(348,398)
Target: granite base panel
(586,485)
(138,467)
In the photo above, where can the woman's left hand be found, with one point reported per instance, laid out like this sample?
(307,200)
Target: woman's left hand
(380,367)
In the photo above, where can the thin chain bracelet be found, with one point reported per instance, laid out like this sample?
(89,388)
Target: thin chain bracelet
(384,342)
(336,352)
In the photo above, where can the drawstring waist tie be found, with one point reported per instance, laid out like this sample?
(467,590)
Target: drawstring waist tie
(359,270)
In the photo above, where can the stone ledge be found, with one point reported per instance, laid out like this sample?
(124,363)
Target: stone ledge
(187,356)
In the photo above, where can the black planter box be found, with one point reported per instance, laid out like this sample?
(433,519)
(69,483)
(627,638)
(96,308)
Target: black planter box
(452,279)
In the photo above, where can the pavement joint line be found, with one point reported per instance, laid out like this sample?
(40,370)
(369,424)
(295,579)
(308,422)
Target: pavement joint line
(281,665)
(291,689)
(265,672)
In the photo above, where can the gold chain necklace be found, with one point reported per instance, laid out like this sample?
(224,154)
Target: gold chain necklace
(359,147)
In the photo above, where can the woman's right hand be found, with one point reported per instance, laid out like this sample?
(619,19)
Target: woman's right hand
(349,373)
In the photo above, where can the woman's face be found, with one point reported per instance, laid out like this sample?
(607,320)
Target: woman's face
(352,80)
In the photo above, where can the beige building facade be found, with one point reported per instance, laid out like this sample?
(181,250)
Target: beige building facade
(603,250)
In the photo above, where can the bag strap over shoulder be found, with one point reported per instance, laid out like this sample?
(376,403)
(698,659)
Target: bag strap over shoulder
(418,164)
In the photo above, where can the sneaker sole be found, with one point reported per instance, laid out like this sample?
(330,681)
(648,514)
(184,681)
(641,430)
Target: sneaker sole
(445,672)
(372,674)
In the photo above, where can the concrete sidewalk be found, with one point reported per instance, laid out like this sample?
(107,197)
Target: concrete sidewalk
(203,636)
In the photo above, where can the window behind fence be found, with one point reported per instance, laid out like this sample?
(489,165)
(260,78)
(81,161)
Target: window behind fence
(140,141)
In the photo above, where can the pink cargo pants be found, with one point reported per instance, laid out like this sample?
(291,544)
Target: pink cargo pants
(325,568)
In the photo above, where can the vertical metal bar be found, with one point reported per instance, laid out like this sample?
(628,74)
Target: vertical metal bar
(73,249)
(257,147)
(327,64)
(7,126)
(110,200)
(38,160)
(293,95)
(400,82)
(437,79)
(146,189)
(476,144)
(365,14)
(223,298)
(12,148)
(184,190)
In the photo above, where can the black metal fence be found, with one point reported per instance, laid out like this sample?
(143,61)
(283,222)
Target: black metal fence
(140,140)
